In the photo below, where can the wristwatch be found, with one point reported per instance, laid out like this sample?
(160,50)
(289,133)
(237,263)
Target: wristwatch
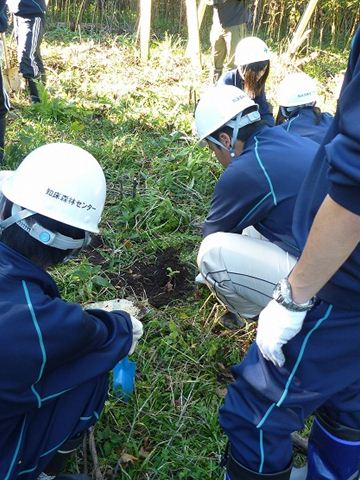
(282,294)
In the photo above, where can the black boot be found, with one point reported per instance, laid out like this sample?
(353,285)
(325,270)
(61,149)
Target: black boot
(58,462)
(2,137)
(236,471)
(33,90)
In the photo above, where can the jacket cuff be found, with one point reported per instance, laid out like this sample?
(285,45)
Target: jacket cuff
(346,196)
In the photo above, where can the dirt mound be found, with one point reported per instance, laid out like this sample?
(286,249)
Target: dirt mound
(161,281)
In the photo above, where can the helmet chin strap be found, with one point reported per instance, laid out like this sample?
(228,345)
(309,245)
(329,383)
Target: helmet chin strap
(43,235)
(287,111)
(239,121)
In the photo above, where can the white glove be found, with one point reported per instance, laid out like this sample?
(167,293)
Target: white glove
(137,332)
(276,326)
(199,279)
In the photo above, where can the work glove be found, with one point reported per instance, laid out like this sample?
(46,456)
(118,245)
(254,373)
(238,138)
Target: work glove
(276,326)
(137,332)
(199,279)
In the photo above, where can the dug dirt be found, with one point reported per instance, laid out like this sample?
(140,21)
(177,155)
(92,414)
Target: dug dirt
(160,281)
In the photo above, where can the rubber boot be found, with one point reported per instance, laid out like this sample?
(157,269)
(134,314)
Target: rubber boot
(33,90)
(298,473)
(2,137)
(334,451)
(58,462)
(236,471)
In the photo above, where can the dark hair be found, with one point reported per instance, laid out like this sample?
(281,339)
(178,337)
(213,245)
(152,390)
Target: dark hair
(42,255)
(245,132)
(280,118)
(252,85)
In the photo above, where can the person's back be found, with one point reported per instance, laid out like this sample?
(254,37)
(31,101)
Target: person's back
(309,123)
(260,187)
(297,97)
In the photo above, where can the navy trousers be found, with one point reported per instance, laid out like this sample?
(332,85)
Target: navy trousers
(266,404)
(60,419)
(28,33)
(4,98)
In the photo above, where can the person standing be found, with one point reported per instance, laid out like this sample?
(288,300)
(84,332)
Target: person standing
(229,22)
(29,23)
(4,98)
(306,358)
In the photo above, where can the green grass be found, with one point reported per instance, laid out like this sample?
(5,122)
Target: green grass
(137,121)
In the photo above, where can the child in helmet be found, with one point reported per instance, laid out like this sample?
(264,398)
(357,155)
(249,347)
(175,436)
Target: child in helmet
(252,57)
(55,356)
(248,244)
(298,113)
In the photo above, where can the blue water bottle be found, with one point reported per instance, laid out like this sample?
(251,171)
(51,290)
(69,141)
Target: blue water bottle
(124,378)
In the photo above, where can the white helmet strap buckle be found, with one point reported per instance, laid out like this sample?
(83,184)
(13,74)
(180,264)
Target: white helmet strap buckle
(239,122)
(42,234)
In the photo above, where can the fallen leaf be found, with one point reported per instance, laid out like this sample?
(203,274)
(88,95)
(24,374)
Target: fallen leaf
(127,458)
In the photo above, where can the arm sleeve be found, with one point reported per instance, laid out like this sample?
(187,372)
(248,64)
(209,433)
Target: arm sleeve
(79,345)
(238,201)
(343,152)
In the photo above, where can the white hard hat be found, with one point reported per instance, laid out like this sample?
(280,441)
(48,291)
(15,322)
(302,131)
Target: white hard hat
(251,50)
(217,106)
(296,89)
(62,182)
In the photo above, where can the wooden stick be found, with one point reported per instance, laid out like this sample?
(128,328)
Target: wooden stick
(201,12)
(145,26)
(299,37)
(94,455)
(193,49)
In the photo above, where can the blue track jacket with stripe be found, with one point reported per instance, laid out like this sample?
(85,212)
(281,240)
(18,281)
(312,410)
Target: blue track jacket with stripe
(260,186)
(304,124)
(52,354)
(233,78)
(27,8)
(336,171)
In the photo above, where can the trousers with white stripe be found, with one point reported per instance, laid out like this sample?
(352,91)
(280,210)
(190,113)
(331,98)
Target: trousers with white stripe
(266,404)
(29,32)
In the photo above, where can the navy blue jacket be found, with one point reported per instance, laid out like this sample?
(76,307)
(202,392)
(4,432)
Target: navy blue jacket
(303,123)
(233,78)
(260,186)
(336,171)
(231,13)
(49,352)
(3,16)
(27,8)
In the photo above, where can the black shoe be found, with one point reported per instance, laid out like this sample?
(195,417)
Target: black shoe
(232,321)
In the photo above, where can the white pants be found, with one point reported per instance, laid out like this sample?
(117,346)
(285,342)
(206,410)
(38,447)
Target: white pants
(242,270)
